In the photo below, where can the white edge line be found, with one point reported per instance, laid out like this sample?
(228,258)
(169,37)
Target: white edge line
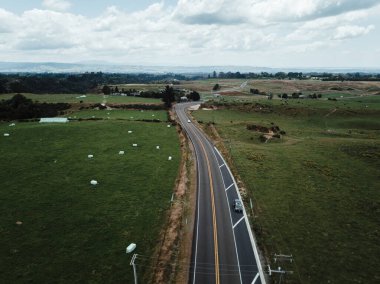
(229,211)
(253,242)
(229,186)
(254,280)
(238,222)
(196,242)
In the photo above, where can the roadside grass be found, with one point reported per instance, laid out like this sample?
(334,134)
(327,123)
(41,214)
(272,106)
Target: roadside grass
(121,114)
(315,190)
(73,232)
(90,98)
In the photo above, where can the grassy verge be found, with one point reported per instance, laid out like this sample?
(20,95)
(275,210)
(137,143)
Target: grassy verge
(315,190)
(72,232)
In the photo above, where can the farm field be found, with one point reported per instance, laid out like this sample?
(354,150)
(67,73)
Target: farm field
(236,89)
(89,98)
(121,114)
(58,228)
(314,190)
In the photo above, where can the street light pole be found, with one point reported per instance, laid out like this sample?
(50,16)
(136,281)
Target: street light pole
(134,266)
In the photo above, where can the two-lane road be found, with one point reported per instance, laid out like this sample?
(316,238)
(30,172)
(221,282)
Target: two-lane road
(223,250)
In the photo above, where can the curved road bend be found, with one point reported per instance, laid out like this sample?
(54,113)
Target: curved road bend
(223,249)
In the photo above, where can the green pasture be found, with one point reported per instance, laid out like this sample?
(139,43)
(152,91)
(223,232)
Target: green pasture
(316,190)
(89,98)
(55,227)
(121,114)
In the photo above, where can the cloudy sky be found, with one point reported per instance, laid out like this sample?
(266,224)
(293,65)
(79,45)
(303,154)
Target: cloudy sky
(271,33)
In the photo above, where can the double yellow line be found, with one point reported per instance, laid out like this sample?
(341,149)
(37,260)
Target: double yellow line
(215,228)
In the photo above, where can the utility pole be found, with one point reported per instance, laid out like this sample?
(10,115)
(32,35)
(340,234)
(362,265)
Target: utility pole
(280,271)
(134,266)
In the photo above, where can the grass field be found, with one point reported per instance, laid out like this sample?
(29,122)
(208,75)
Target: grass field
(72,232)
(315,190)
(121,114)
(90,98)
(239,89)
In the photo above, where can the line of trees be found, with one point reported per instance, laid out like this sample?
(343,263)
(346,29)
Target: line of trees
(20,107)
(356,76)
(76,83)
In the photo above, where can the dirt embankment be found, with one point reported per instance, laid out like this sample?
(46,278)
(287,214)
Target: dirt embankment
(173,253)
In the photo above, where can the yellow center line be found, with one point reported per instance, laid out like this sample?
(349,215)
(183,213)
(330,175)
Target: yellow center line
(215,229)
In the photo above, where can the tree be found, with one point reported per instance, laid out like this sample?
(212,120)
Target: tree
(216,87)
(254,91)
(3,88)
(195,96)
(106,90)
(214,74)
(116,89)
(168,96)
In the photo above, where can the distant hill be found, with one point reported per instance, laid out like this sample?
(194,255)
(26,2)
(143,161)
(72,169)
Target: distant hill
(54,67)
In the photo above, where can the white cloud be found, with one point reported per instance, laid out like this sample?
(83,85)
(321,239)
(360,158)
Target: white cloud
(56,5)
(242,32)
(345,32)
(264,11)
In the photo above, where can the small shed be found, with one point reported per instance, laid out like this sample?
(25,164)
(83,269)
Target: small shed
(54,120)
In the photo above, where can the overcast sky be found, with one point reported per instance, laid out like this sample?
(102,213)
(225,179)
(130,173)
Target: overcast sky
(271,33)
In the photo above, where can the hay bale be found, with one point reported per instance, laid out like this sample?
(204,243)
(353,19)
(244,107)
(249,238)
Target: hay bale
(131,248)
(134,145)
(93,182)
(169,158)
(6,134)
(130,131)
(121,152)
(12,124)
(90,156)
(158,147)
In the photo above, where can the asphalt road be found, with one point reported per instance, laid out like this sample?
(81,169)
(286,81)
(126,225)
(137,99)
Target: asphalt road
(223,249)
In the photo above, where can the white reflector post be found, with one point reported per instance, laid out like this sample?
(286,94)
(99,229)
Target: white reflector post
(131,248)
